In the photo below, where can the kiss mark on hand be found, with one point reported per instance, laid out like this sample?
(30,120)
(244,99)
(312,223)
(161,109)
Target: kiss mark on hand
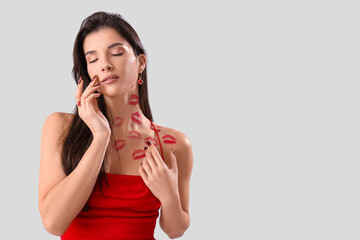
(168,139)
(152,140)
(134,134)
(138,154)
(119,144)
(136,117)
(134,99)
(118,121)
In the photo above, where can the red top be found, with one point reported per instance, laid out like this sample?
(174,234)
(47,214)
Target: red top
(128,210)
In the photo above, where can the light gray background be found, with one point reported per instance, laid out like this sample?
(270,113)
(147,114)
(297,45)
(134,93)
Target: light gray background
(266,91)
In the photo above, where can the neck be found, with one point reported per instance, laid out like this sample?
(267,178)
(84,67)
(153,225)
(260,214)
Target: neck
(125,112)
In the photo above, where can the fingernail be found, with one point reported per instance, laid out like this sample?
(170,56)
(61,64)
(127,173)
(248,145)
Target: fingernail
(80,79)
(79,103)
(93,78)
(173,151)
(148,143)
(145,147)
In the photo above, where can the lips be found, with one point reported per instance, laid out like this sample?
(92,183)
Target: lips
(136,117)
(118,121)
(134,99)
(134,134)
(152,140)
(157,128)
(108,78)
(138,154)
(119,144)
(168,139)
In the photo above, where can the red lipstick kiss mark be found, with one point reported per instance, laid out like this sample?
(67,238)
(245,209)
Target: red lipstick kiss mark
(136,118)
(152,140)
(138,154)
(118,121)
(119,144)
(134,99)
(156,126)
(168,139)
(134,134)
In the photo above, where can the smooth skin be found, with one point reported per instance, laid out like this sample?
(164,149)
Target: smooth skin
(62,197)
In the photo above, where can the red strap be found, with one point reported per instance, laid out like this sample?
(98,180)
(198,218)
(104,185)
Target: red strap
(158,139)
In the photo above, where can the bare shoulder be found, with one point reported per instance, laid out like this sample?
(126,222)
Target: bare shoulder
(59,118)
(59,122)
(179,141)
(173,138)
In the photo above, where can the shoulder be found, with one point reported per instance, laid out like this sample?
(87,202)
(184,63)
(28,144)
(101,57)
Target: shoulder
(179,141)
(58,122)
(59,117)
(176,138)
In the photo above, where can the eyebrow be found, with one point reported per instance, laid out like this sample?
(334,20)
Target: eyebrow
(112,45)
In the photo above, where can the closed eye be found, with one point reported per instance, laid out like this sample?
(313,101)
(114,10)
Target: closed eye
(119,54)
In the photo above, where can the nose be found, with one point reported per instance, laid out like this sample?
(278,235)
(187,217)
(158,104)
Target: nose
(106,66)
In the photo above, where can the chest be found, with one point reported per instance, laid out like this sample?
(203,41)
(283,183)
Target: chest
(125,154)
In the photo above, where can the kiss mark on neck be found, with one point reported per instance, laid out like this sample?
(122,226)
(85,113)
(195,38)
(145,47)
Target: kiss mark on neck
(136,118)
(119,144)
(118,121)
(134,99)
(134,134)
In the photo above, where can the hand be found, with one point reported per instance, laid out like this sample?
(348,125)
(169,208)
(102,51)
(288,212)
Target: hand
(88,109)
(161,180)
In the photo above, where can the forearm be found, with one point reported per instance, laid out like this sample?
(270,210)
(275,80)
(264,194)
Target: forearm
(64,202)
(174,220)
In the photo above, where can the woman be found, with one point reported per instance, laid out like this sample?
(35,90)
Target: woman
(106,170)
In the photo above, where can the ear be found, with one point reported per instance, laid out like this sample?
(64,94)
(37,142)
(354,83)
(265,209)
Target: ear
(142,62)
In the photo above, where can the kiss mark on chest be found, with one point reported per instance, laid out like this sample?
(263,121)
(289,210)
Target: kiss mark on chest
(138,154)
(152,140)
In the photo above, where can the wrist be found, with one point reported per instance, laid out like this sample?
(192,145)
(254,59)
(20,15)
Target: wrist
(172,200)
(103,137)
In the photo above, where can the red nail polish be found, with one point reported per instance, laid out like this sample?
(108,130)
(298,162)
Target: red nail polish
(79,103)
(148,143)
(145,147)
(93,78)
(80,79)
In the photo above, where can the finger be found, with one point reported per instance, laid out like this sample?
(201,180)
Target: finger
(92,86)
(146,166)
(149,158)
(143,174)
(79,89)
(158,159)
(89,90)
(173,160)
(89,100)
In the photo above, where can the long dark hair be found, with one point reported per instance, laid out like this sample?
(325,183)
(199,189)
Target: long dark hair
(79,136)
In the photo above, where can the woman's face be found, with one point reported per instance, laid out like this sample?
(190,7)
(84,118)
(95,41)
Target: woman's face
(107,53)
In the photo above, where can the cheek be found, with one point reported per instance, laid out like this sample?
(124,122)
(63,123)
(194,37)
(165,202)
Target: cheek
(129,68)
